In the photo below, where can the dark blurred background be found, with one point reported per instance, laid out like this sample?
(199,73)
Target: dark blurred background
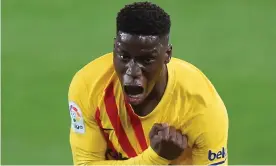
(44,42)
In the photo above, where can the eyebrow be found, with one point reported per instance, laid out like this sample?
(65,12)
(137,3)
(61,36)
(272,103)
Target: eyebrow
(154,50)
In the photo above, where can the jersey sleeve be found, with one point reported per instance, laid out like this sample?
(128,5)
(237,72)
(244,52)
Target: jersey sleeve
(211,144)
(87,142)
(88,145)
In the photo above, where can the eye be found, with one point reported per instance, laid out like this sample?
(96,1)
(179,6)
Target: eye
(124,57)
(148,60)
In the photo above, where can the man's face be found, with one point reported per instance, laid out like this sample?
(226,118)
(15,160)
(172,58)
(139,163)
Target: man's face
(139,62)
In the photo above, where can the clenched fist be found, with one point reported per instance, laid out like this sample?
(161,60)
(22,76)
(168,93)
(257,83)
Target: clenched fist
(166,141)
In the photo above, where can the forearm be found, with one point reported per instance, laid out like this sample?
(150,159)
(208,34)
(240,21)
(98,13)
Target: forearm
(148,157)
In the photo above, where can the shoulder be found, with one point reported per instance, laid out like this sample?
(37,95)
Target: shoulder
(196,89)
(205,111)
(191,78)
(90,81)
(97,68)
(193,84)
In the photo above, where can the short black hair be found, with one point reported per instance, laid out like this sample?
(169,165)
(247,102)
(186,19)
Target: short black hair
(143,18)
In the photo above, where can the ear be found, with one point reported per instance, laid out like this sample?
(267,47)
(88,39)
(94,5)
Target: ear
(114,42)
(168,54)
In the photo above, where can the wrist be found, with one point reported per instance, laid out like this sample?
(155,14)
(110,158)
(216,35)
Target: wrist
(155,158)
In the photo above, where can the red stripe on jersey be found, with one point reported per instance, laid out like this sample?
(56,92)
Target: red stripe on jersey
(137,126)
(113,114)
(106,136)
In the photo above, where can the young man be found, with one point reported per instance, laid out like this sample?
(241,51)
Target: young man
(138,105)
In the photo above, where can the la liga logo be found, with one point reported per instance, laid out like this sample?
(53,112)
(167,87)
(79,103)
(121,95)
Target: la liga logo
(75,115)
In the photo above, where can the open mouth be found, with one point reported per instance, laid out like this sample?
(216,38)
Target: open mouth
(133,90)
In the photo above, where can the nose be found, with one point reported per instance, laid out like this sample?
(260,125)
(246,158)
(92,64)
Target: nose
(133,69)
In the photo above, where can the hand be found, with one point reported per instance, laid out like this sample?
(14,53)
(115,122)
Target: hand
(166,141)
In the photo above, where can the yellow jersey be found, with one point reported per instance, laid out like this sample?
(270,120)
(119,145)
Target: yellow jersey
(105,129)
